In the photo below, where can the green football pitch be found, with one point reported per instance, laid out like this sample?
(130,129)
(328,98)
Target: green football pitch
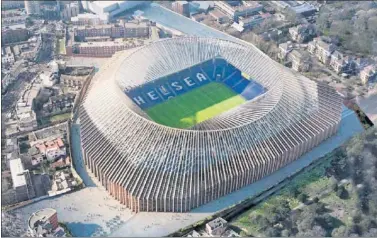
(195,106)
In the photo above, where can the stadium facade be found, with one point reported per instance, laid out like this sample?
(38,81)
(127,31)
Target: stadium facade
(151,166)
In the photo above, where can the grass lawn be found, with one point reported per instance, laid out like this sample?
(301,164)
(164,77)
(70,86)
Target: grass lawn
(61,46)
(196,106)
(60,117)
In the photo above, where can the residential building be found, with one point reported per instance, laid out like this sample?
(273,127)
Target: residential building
(61,163)
(50,12)
(49,78)
(21,181)
(72,81)
(14,35)
(7,56)
(59,104)
(299,7)
(367,73)
(82,32)
(103,49)
(271,35)
(312,47)
(13,20)
(360,63)
(51,149)
(32,7)
(36,156)
(216,227)
(88,19)
(198,17)
(9,4)
(45,223)
(219,16)
(27,121)
(62,181)
(182,7)
(122,30)
(321,49)
(340,63)
(300,63)
(30,50)
(197,7)
(284,50)
(252,21)
(136,29)
(234,12)
(302,33)
(324,51)
(70,10)
(193,233)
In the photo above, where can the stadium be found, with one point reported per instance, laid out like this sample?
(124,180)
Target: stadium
(181,122)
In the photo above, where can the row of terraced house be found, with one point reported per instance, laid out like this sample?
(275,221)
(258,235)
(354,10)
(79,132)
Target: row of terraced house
(327,54)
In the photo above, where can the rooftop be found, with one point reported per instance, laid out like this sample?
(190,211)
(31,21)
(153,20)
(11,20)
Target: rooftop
(216,13)
(110,43)
(40,216)
(17,169)
(105,4)
(218,222)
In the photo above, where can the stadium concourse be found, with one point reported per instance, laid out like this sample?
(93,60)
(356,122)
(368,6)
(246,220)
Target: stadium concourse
(149,163)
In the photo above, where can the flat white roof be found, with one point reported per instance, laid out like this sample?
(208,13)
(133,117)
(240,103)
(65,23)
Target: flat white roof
(16,169)
(104,4)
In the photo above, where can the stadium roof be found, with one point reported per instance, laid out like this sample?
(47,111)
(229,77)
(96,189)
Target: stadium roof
(152,167)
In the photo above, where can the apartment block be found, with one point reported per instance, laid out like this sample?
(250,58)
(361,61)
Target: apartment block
(103,49)
(122,30)
(182,7)
(368,73)
(321,49)
(340,63)
(14,35)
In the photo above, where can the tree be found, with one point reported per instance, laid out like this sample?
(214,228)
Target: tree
(315,199)
(272,232)
(306,223)
(316,231)
(294,191)
(260,221)
(326,221)
(29,22)
(371,233)
(285,233)
(302,197)
(341,231)
(323,22)
(333,183)
(342,192)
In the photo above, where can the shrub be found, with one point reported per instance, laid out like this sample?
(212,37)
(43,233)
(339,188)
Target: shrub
(302,197)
